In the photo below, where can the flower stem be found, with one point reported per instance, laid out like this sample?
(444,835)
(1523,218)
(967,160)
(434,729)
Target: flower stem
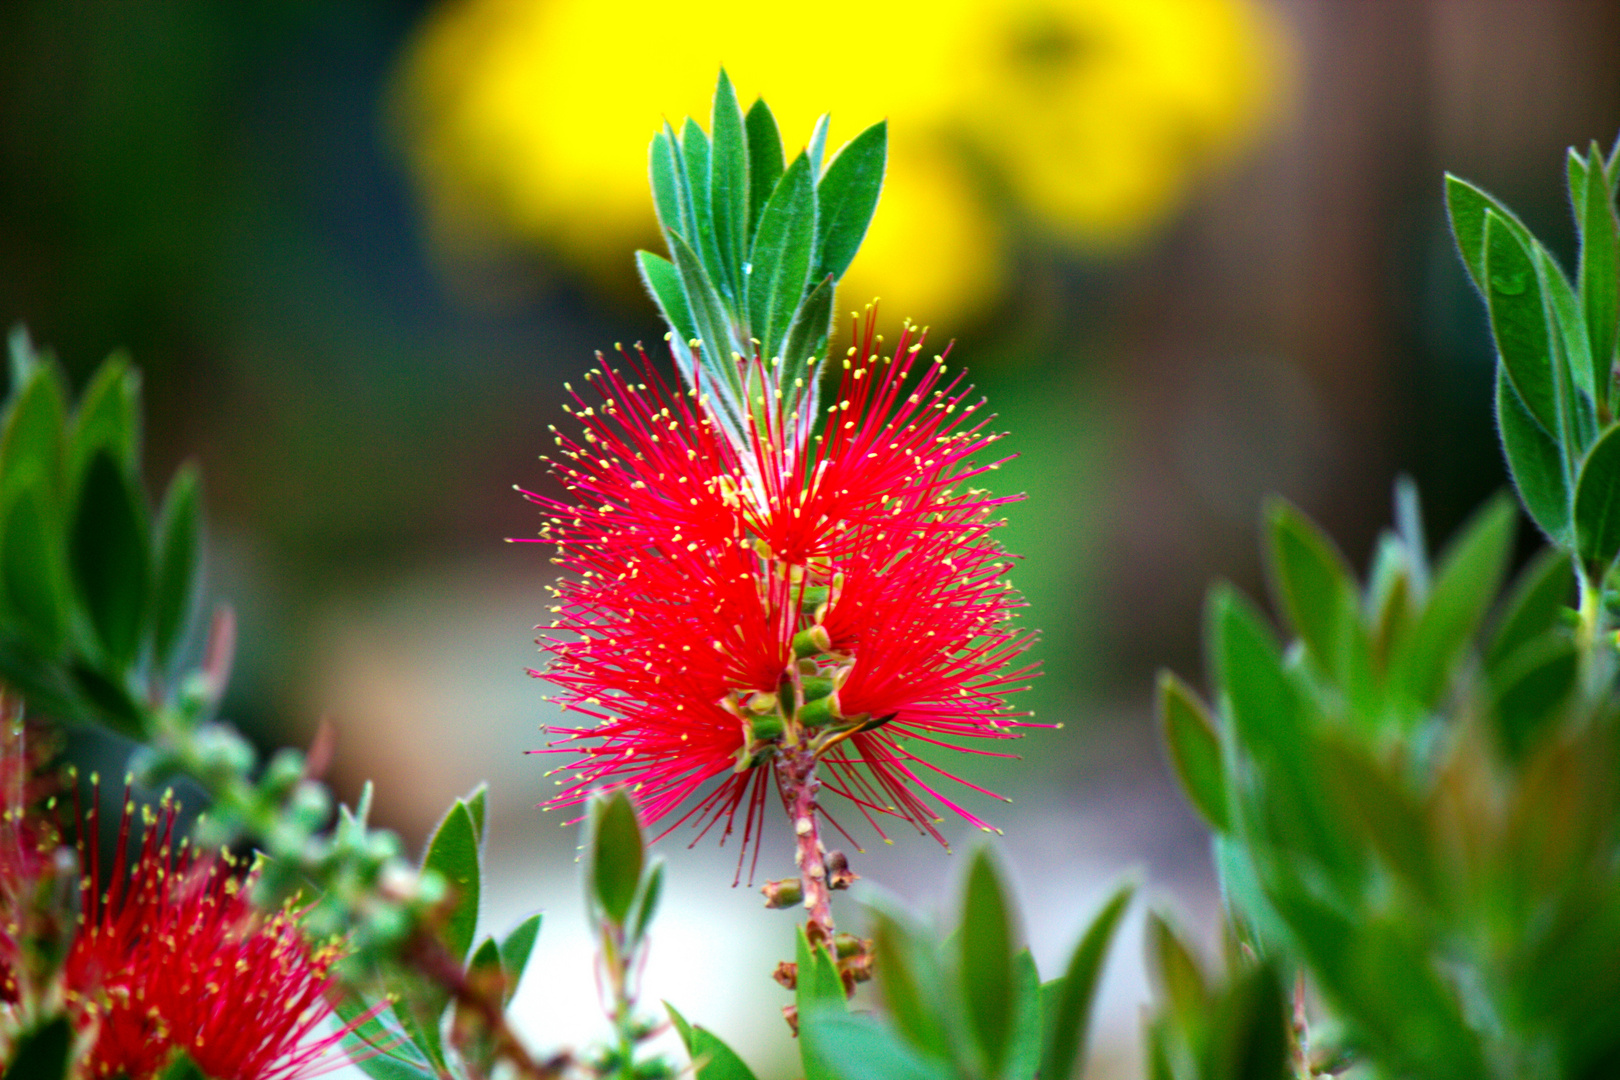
(796,778)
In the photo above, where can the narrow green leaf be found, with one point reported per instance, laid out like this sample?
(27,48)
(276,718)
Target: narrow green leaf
(110,557)
(780,258)
(1519,322)
(42,1052)
(1265,708)
(1572,357)
(176,577)
(764,160)
(986,960)
(1068,1019)
(1195,749)
(1543,589)
(616,852)
(1597,503)
(1468,580)
(818,144)
(1024,1051)
(34,580)
(109,417)
(708,316)
(381,1048)
(31,448)
(453,853)
(652,890)
(477,800)
(487,957)
(1532,687)
(819,992)
(1535,463)
(23,358)
(714,1060)
(908,981)
(1179,978)
(1599,275)
(1468,205)
(1575,165)
(1251,1030)
(515,950)
(1382,813)
(682,1028)
(668,175)
(846,197)
(1314,585)
(664,283)
(807,337)
(836,1045)
(728,187)
(695,157)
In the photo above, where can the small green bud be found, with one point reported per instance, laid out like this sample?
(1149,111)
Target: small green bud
(812,641)
(822,711)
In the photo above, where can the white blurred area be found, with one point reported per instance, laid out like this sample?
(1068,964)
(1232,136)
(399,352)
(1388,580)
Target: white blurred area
(427,688)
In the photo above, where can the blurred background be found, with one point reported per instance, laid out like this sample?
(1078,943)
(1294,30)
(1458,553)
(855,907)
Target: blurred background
(1194,252)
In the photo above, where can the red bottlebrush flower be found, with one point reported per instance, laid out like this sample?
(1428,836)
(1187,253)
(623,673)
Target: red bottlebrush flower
(826,582)
(172,957)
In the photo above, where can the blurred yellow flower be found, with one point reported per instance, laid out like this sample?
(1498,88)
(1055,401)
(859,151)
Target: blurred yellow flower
(528,120)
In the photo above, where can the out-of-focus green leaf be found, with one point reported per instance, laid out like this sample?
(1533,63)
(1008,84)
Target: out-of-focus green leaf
(909,980)
(1469,577)
(764,160)
(1315,586)
(1024,1052)
(109,700)
(1195,749)
(487,957)
(616,852)
(780,257)
(183,1068)
(453,853)
(42,1052)
(986,959)
(1385,816)
(109,418)
(32,445)
(1265,707)
(847,196)
(1519,322)
(1250,1030)
(110,557)
(837,1045)
(712,1059)
(1532,686)
(728,187)
(515,950)
(1542,591)
(1599,274)
(652,890)
(1535,462)
(1597,504)
(819,992)
(176,579)
(36,592)
(1468,205)
(1067,1011)
(1180,979)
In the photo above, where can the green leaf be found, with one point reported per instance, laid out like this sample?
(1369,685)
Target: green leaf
(712,1058)
(34,580)
(1535,462)
(1024,1053)
(476,802)
(695,158)
(664,283)
(728,187)
(846,198)
(807,337)
(616,852)
(709,319)
(453,853)
(380,1047)
(1575,165)
(109,700)
(1195,749)
(1468,206)
(1571,347)
(42,1052)
(668,176)
(820,991)
(109,556)
(764,160)
(781,256)
(1251,1030)
(1532,687)
(1068,1017)
(652,889)
(1543,589)
(986,960)
(836,1045)
(1386,817)
(1519,322)
(31,448)
(515,950)
(682,1028)
(1315,587)
(1265,708)
(109,417)
(909,980)
(1469,577)
(487,957)
(818,144)
(1597,504)
(183,1068)
(1599,274)
(1180,980)
(176,579)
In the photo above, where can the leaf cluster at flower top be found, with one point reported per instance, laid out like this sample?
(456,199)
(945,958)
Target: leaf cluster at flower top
(726,603)
(1089,119)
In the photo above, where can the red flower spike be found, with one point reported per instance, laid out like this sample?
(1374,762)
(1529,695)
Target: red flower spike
(172,957)
(726,602)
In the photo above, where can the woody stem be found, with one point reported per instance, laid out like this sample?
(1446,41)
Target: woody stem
(796,777)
